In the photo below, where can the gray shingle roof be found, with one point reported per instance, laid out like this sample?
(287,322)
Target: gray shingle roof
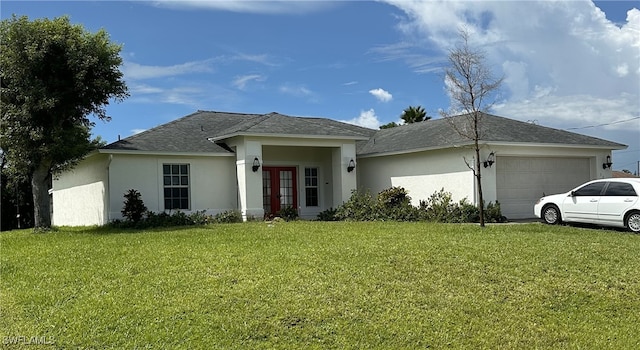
(279,124)
(439,133)
(191,134)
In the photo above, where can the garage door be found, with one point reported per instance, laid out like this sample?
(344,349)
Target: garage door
(522,180)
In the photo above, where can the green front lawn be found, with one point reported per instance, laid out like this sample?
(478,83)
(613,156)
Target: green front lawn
(323,285)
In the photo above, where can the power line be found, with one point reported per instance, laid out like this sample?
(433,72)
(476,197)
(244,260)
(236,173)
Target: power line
(606,124)
(627,151)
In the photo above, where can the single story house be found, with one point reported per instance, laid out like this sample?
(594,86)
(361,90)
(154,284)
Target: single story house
(260,163)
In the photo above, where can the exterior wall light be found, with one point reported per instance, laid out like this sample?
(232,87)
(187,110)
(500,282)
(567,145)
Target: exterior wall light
(607,164)
(490,160)
(256,164)
(351,165)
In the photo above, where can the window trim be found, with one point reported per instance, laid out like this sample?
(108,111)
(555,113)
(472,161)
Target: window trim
(316,187)
(163,187)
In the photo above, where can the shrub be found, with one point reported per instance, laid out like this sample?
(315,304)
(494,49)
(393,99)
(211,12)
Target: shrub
(405,212)
(117,223)
(396,205)
(440,207)
(178,218)
(468,212)
(200,218)
(134,207)
(361,206)
(229,216)
(157,219)
(163,219)
(492,213)
(394,197)
(391,204)
(288,213)
(328,215)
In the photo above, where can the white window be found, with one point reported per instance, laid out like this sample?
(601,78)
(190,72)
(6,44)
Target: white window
(311,187)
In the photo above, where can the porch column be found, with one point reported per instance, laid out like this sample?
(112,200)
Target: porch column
(343,180)
(249,182)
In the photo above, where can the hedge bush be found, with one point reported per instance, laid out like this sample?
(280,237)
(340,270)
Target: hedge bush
(395,204)
(440,207)
(138,216)
(228,217)
(361,206)
(328,215)
(163,219)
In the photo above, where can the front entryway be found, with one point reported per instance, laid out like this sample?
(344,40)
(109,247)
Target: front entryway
(279,189)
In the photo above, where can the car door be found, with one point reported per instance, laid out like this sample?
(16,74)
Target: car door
(582,204)
(617,198)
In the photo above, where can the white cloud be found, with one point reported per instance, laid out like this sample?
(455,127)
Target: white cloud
(299,91)
(367,119)
(565,64)
(622,70)
(575,111)
(137,131)
(242,81)
(136,88)
(135,71)
(252,6)
(194,95)
(381,95)
(263,59)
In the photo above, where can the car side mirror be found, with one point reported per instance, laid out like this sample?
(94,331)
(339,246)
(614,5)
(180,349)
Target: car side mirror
(573,193)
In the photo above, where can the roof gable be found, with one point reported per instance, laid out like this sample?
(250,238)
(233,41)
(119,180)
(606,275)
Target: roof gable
(192,133)
(284,125)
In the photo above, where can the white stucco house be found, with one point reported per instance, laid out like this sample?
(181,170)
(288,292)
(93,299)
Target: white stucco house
(259,163)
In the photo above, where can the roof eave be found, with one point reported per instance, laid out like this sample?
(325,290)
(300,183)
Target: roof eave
(413,150)
(492,143)
(557,145)
(166,153)
(289,136)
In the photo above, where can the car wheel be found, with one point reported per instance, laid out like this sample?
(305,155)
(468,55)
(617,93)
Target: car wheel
(633,222)
(551,215)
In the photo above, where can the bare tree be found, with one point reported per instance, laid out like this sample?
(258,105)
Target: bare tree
(471,85)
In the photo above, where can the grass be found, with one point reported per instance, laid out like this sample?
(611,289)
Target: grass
(323,285)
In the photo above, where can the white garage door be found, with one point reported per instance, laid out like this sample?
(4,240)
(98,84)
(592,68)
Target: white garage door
(522,180)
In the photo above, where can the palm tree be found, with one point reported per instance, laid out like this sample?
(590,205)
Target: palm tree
(414,115)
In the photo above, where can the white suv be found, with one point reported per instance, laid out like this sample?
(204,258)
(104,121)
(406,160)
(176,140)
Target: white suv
(607,202)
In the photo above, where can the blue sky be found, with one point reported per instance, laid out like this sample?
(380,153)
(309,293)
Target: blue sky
(571,65)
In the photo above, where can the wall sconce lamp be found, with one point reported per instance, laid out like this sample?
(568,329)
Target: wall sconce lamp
(607,164)
(256,164)
(351,165)
(490,160)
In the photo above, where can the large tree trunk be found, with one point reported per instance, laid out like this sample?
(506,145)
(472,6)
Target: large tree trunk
(40,190)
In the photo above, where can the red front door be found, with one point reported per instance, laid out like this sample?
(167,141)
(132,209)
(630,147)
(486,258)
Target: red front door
(278,189)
